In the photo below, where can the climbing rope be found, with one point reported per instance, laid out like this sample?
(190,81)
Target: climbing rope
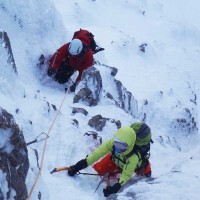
(45,145)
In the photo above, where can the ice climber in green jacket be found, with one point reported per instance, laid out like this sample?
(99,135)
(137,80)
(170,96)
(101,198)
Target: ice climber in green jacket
(119,147)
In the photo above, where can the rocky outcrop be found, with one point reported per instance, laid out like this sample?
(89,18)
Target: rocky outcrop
(5,43)
(113,70)
(93,140)
(181,115)
(98,122)
(14,163)
(94,135)
(142,47)
(79,110)
(89,88)
(121,97)
(166,140)
(124,99)
(186,123)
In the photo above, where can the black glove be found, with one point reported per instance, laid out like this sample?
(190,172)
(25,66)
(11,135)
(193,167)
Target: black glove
(111,190)
(50,72)
(73,87)
(82,164)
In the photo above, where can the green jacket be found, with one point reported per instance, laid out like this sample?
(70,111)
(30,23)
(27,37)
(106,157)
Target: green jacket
(127,135)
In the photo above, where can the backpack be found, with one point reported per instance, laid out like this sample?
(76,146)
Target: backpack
(143,133)
(88,40)
(142,143)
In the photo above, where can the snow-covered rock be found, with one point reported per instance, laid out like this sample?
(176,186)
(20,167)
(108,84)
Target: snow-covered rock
(14,163)
(5,42)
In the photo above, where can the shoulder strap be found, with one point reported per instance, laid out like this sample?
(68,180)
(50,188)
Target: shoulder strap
(134,151)
(113,155)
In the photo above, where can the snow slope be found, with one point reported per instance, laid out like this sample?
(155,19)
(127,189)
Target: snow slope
(166,75)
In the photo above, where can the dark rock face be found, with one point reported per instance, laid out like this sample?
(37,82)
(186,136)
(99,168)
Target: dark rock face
(5,42)
(144,111)
(89,88)
(187,123)
(93,140)
(168,141)
(75,122)
(98,122)
(125,100)
(182,120)
(14,161)
(85,95)
(95,136)
(113,70)
(142,47)
(79,110)
(121,97)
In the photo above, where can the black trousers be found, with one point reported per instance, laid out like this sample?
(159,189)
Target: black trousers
(63,74)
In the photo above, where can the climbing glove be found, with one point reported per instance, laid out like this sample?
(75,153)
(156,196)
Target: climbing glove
(112,189)
(73,88)
(50,71)
(82,164)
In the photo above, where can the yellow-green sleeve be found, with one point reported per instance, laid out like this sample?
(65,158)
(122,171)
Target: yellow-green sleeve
(101,151)
(129,169)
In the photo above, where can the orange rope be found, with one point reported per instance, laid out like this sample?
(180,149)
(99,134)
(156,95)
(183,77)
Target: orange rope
(44,149)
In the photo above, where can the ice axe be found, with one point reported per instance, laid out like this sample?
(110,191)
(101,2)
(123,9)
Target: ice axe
(60,169)
(105,178)
(39,138)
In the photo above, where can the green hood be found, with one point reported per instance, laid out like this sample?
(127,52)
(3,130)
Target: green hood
(126,134)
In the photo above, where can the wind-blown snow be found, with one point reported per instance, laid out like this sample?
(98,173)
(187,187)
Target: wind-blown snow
(167,75)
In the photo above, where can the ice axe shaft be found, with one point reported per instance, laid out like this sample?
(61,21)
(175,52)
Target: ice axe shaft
(104,178)
(59,169)
(31,142)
